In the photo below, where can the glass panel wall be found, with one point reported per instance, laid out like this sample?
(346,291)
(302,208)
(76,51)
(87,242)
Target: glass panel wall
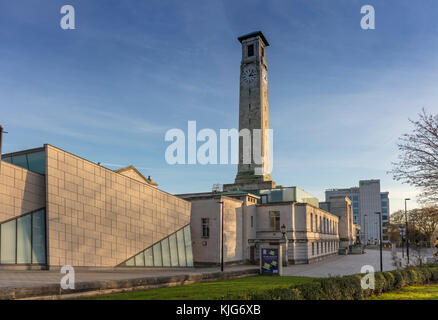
(39,237)
(23,240)
(8,239)
(157,255)
(33,161)
(173,251)
(181,248)
(166,253)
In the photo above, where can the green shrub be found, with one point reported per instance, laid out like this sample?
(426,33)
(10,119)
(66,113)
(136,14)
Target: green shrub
(380,285)
(312,291)
(434,274)
(412,276)
(276,294)
(390,281)
(346,287)
(399,280)
(331,288)
(351,287)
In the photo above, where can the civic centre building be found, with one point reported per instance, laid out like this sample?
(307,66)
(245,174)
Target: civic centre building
(58,209)
(255,211)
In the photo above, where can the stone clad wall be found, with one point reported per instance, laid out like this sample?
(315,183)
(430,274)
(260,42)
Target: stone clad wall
(97,217)
(21,191)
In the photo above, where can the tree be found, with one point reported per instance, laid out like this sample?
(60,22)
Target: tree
(422,223)
(425,220)
(417,163)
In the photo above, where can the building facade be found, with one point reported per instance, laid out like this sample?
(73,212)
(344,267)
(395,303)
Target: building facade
(59,209)
(367,199)
(311,233)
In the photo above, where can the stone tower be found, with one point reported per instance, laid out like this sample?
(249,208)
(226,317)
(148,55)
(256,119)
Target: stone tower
(253,173)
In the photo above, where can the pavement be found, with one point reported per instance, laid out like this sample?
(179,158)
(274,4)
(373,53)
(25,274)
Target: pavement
(36,278)
(341,265)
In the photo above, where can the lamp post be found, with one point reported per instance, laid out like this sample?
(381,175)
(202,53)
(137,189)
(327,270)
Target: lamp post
(402,242)
(381,243)
(283,231)
(407,232)
(222,235)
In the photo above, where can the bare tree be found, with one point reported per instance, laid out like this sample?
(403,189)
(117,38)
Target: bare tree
(417,163)
(423,223)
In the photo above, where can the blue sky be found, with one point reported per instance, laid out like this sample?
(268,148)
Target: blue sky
(110,89)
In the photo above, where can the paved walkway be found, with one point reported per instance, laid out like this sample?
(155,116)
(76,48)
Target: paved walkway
(35,278)
(342,265)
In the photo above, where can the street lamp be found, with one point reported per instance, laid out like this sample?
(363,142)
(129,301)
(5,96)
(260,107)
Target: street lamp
(283,231)
(407,233)
(222,235)
(381,243)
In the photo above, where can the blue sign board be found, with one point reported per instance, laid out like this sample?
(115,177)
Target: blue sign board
(270,261)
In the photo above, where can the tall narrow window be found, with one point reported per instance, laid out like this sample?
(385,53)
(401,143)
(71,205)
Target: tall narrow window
(274,217)
(205,227)
(311,222)
(250,50)
(263,52)
(252,221)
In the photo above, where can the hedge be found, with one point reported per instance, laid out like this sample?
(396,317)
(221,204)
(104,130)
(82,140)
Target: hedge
(346,287)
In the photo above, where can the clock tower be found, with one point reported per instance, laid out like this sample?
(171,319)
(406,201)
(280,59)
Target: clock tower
(254,169)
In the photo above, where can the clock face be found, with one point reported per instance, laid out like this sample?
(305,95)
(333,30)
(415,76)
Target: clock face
(249,74)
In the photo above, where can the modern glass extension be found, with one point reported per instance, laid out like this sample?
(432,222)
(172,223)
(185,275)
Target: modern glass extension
(23,239)
(173,251)
(33,160)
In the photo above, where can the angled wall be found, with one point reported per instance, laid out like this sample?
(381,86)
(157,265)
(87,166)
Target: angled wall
(21,191)
(97,217)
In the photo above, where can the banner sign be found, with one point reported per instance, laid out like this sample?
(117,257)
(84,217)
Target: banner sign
(270,261)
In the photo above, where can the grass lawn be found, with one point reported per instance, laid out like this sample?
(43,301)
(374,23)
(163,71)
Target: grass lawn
(208,290)
(428,292)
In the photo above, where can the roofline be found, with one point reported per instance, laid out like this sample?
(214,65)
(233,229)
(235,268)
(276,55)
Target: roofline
(17,153)
(253,35)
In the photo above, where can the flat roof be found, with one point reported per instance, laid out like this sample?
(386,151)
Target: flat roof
(253,35)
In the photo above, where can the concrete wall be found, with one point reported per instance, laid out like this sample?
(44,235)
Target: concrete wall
(97,217)
(208,250)
(21,191)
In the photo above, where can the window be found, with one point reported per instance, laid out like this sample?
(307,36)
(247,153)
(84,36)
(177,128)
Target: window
(252,221)
(34,161)
(384,204)
(355,198)
(250,50)
(384,210)
(317,248)
(274,217)
(311,222)
(206,227)
(313,248)
(356,205)
(174,250)
(263,52)
(384,196)
(23,239)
